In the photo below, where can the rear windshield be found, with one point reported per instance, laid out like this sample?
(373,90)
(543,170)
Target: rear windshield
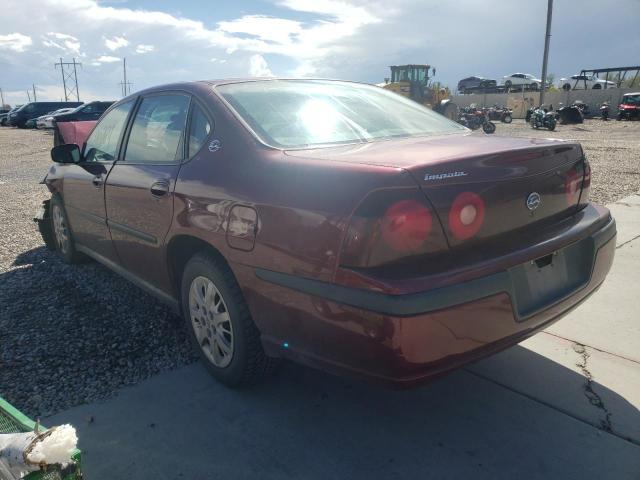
(631,99)
(305,113)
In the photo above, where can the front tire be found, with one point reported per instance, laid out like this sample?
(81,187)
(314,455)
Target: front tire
(507,118)
(220,324)
(488,127)
(64,243)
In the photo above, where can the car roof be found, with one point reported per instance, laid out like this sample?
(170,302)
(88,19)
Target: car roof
(199,84)
(631,93)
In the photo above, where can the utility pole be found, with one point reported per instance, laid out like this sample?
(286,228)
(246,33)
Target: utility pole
(69,79)
(124,85)
(28,95)
(545,57)
(35,99)
(1,98)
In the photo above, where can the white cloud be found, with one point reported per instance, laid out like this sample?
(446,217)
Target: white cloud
(115,43)
(65,42)
(142,48)
(106,59)
(15,41)
(258,66)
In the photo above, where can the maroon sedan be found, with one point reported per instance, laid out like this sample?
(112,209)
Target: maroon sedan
(333,223)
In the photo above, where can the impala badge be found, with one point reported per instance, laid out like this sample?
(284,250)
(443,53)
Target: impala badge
(440,176)
(533,201)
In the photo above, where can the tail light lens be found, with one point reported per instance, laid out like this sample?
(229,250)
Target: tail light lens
(572,183)
(390,225)
(586,183)
(406,225)
(466,215)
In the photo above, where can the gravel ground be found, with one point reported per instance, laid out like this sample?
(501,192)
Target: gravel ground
(75,334)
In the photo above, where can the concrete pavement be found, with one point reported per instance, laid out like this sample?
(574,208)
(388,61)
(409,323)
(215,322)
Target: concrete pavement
(563,404)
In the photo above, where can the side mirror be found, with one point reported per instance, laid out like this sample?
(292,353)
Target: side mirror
(68,153)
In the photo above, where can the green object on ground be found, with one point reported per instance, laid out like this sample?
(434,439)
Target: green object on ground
(14,421)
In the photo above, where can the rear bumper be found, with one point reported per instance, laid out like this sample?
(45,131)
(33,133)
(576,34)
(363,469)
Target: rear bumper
(403,339)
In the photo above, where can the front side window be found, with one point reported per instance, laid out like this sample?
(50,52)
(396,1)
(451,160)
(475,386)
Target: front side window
(102,144)
(199,130)
(157,134)
(306,113)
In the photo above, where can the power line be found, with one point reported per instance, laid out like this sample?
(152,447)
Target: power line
(69,79)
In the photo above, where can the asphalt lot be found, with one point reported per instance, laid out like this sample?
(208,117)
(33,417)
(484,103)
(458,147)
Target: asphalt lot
(81,345)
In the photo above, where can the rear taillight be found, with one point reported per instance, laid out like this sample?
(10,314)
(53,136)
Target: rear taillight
(586,183)
(390,225)
(572,183)
(406,225)
(466,215)
(577,183)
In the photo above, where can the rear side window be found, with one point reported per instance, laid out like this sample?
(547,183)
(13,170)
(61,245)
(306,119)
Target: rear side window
(102,144)
(199,130)
(157,134)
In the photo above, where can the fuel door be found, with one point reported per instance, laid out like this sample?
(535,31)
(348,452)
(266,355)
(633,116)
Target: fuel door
(242,228)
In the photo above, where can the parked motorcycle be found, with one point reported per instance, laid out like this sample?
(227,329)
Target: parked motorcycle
(474,118)
(502,114)
(604,111)
(540,118)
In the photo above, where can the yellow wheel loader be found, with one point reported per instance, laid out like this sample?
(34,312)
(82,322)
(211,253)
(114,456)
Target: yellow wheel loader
(413,81)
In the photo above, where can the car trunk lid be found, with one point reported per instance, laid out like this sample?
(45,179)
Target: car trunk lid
(511,183)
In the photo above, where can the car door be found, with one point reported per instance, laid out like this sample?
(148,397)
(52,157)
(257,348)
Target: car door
(139,189)
(83,188)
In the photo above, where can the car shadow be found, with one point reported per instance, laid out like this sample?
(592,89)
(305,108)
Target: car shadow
(62,338)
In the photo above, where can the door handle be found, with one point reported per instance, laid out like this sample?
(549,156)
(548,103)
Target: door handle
(160,188)
(97,181)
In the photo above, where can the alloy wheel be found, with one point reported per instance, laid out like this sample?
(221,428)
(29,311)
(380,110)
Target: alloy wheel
(60,229)
(211,322)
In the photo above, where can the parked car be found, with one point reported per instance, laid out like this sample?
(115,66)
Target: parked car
(474,83)
(46,121)
(584,82)
(88,111)
(629,107)
(4,118)
(33,110)
(333,223)
(521,80)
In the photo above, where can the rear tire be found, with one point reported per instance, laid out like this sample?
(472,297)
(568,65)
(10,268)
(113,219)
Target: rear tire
(65,245)
(566,87)
(220,324)
(597,86)
(507,118)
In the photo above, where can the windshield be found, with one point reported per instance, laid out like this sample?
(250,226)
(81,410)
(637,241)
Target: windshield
(303,113)
(631,99)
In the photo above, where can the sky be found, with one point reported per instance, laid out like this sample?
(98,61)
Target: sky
(167,41)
